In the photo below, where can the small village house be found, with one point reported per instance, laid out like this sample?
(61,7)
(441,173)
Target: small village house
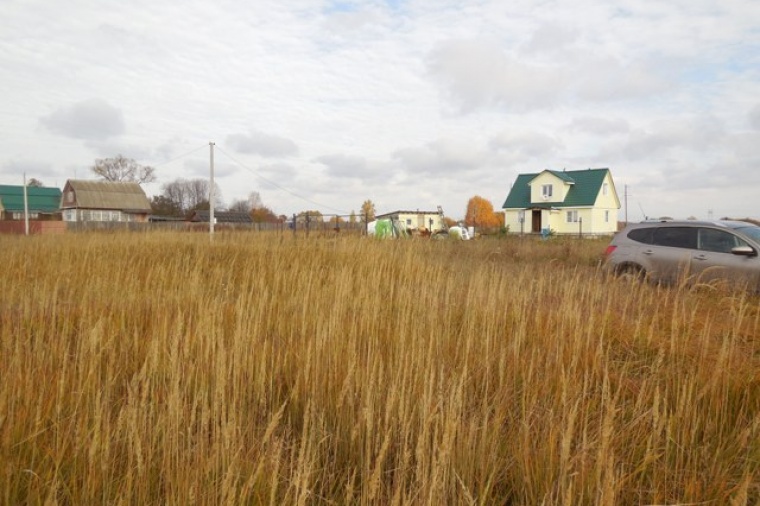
(415,220)
(104,201)
(42,203)
(581,202)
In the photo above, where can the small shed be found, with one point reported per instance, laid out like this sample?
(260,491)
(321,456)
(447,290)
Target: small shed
(416,220)
(42,202)
(104,201)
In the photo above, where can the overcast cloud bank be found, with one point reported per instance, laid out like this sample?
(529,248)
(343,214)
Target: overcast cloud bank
(412,104)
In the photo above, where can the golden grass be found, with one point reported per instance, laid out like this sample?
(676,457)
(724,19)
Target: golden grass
(267,369)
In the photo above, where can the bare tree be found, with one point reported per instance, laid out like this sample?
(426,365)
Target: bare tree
(123,169)
(191,194)
(240,206)
(254,201)
(249,204)
(176,192)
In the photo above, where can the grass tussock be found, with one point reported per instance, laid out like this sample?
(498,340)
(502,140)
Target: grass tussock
(263,369)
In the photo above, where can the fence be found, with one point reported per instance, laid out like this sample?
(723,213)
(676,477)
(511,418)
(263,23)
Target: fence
(35,227)
(295,227)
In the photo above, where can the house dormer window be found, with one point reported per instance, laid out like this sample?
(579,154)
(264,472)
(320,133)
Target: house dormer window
(546,191)
(604,189)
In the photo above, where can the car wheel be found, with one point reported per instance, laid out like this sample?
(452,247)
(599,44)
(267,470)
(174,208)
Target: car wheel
(631,273)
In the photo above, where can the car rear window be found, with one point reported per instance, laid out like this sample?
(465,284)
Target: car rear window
(643,235)
(676,237)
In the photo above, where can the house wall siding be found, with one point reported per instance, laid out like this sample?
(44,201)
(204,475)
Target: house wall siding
(559,188)
(417,220)
(103,215)
(592,223)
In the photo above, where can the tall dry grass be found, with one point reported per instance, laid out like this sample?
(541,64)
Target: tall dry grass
(262,369)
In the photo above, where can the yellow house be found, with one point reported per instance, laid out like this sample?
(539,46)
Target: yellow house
(416,220)
(580,202)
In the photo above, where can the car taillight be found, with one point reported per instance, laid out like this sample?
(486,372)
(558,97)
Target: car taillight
(609,250)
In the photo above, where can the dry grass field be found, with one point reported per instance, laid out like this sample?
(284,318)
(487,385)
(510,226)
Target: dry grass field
(164,368)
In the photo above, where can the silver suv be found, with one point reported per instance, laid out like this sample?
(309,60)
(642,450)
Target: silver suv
(697,251)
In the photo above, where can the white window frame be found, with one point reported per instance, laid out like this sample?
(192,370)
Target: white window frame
(572,216)
(547,190)
(605,187)
(606,216)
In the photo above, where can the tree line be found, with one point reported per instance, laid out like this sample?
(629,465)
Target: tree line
(181,197)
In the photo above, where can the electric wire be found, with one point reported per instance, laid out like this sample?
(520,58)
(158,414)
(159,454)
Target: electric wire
(341,211)
(179,156)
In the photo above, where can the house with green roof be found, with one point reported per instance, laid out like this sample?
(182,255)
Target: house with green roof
(581,202)
(42,202)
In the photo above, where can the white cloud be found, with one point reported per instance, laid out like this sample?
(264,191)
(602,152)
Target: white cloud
(754,117)
(92,119)
(526,144)
(479,74)
(412,104)
(260,143)
(441,157)
(600,126)
(33,168)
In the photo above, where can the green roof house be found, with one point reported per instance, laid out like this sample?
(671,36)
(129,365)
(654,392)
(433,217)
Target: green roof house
(41,202)
(581,202)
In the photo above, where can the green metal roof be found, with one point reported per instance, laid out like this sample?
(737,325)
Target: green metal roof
(44,200)
(583,191)
(563,176)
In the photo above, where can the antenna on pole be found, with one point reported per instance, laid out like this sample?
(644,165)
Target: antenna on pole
(211,193)
(26,208)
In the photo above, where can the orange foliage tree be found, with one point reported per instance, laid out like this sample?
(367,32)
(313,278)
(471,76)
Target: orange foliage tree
(480,213)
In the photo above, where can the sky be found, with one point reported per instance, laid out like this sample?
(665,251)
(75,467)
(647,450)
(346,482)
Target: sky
(321,105)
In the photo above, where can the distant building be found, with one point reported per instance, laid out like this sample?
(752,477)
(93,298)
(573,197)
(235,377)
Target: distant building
(565,202)
(415,220)
(104,201)
(42,203)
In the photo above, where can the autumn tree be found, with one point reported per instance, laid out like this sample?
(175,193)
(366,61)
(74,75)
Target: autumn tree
(352,217)
(313,216)
(263,214)
(123,169)
(480,213)
(368,210)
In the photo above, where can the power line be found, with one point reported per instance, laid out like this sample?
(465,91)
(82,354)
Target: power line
(278,186)
(178,157)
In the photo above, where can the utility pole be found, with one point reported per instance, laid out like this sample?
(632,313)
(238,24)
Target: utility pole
(211,194)
(625,195)
(26,208)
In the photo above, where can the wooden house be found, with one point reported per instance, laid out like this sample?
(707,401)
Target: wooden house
(104,201)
